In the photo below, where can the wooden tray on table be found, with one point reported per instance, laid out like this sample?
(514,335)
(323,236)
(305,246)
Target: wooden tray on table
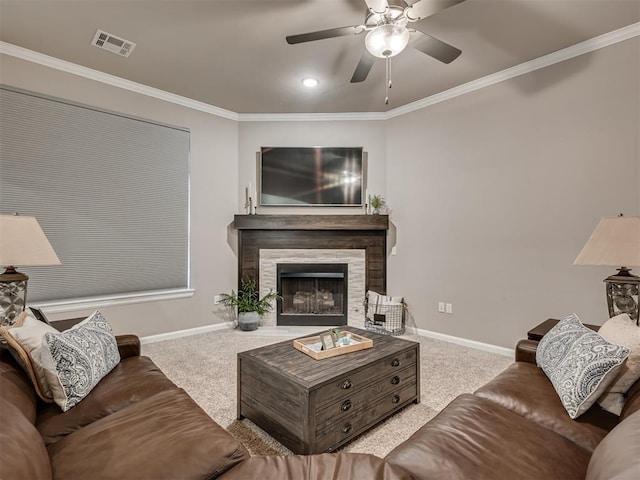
(358,342)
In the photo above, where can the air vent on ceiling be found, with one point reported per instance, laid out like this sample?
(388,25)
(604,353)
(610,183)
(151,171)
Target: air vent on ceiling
(112,44)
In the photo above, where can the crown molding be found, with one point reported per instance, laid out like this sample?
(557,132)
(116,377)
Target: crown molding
(573,51)
(74,69)
(558,56)
(310,117)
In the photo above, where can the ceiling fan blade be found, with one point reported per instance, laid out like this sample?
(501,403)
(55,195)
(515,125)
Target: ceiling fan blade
(322,34)
(433,47)
(363,68)
(425,8)
(377,6)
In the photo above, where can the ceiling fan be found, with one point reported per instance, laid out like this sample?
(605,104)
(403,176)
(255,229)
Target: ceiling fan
(386,23)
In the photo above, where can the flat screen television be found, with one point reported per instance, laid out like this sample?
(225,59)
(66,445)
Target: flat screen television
(311,176)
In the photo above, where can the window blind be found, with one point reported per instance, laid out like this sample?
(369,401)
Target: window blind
(111,193)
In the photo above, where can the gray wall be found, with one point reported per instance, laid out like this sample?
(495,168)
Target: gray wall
(493,193)
(368,134)
(496,192)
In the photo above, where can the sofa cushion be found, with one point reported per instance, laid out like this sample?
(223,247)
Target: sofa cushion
(475,438)
(75,360)
(165,436)
(24,338)
(579,362)
(15,386)
(621,330)
(618,455)
(524,389)
(132,380)
(23,452)
(326,466)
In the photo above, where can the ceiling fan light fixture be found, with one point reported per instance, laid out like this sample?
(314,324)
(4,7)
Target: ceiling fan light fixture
(387,40)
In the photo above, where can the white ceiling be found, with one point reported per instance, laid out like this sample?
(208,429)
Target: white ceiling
(232,53)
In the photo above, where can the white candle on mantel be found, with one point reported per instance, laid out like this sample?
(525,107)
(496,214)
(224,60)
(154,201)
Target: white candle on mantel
(249,191)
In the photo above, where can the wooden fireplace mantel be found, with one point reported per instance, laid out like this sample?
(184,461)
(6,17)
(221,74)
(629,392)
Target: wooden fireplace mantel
(311,222)
(365,232)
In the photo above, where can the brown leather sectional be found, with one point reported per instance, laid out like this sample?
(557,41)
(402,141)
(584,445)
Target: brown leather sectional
(136,424)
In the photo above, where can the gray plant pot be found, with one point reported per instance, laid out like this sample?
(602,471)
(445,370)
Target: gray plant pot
(248,321)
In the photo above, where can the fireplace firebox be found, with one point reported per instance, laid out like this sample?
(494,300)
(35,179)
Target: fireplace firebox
(312,294)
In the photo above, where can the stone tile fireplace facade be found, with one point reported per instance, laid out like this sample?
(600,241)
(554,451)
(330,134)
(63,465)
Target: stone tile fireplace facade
(359,241)
(355,260)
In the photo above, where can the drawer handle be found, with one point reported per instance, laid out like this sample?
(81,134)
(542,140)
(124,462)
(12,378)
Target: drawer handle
(346,428)
(395,362)
(346,405)
(346,385)
(395,380)
(395,399)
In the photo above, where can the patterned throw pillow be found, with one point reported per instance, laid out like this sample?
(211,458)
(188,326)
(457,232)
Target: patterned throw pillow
(77,359)
(579,363)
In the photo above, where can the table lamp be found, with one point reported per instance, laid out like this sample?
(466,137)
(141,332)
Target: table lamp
(616,243)
(22,242)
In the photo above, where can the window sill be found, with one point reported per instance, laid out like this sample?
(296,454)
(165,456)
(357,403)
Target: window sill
(72,305)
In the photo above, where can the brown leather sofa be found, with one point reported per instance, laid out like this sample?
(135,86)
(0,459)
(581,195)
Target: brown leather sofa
(136,424)
(516,427)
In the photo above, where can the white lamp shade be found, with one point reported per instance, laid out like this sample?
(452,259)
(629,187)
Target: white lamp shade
(23,243)
(387,40)
(615,243)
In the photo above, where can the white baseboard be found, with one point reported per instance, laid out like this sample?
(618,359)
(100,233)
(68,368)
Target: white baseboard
(487,347)
(161,337)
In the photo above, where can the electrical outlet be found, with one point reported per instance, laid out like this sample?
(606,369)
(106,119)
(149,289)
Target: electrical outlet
(449,308)
(217,299)
(441,307)
(394,250)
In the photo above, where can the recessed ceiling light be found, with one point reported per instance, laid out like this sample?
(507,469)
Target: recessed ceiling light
(310,82)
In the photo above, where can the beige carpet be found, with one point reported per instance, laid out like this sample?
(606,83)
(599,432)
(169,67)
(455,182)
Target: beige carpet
(205,366)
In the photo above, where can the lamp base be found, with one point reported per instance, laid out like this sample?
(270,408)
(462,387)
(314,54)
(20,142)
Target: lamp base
(622,294)
(13,295)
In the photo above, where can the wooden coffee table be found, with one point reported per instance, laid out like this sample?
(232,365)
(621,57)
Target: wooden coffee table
(315,406)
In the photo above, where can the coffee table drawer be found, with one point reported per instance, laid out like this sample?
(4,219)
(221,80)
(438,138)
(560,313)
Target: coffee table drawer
(342,407)
(334,433)
(344,385)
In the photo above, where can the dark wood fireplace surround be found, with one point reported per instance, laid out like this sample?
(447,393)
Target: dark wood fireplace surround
(366,232)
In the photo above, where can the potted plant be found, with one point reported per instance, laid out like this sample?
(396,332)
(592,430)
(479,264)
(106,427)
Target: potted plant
(249,304)
(377,202)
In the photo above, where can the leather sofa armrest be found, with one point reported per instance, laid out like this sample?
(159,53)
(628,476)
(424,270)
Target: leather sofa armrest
(128,345)
(526,351)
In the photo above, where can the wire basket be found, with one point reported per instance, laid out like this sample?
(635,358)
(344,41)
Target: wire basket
(385,318)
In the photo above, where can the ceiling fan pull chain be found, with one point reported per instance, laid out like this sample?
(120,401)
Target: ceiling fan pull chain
(388,80)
